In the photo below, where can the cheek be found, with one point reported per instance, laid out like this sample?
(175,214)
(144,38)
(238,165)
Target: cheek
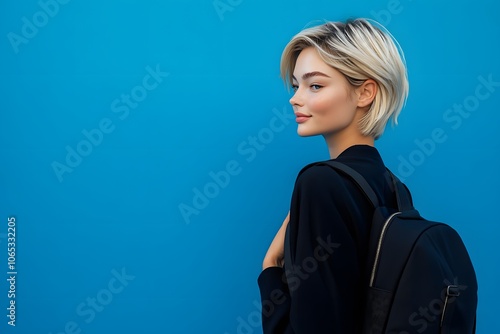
(330,103)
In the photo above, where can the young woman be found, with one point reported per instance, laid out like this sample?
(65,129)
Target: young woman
(349,79)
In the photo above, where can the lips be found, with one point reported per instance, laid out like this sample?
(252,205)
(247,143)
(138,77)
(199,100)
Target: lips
(301,118)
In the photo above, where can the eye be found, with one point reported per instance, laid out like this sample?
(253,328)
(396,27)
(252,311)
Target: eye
(316,87)
(295,88)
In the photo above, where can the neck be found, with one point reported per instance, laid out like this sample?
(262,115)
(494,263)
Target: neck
(339,142)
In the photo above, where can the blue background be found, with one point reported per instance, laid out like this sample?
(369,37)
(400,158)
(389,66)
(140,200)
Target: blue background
(118,209)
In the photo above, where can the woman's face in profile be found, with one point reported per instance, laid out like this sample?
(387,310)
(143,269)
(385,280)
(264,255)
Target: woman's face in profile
(324,100)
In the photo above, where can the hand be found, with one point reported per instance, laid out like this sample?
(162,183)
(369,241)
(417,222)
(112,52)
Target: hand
(275,254)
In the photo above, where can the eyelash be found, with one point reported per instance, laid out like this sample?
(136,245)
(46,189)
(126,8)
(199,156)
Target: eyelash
(295,87)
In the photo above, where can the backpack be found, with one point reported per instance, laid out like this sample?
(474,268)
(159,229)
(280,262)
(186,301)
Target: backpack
(421,278)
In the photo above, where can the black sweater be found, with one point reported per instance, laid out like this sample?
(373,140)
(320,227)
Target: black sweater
(327,237)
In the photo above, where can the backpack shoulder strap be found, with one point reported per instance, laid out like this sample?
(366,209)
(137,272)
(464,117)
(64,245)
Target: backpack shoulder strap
(403,195)
(358,179)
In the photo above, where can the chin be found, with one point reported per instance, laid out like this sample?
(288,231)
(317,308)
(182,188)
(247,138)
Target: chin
(306,132)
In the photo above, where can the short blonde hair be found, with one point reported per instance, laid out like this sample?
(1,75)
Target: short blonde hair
(360,49)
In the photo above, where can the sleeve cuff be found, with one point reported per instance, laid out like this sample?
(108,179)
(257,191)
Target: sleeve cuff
(271,279)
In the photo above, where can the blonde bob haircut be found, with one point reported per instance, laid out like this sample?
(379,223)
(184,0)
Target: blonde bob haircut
(360,49)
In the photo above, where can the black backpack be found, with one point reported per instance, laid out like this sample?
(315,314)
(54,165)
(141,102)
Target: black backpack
(421,276)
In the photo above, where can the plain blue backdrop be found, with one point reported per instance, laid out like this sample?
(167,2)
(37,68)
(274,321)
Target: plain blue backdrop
(117,118)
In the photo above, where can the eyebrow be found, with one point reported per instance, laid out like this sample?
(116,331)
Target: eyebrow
(310,75)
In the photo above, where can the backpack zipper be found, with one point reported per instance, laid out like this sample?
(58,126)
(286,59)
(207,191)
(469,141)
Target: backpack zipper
(379,246)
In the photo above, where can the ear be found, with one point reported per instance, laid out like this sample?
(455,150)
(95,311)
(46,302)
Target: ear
(367,92)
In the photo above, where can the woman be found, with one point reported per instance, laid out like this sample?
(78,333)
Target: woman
(349,79)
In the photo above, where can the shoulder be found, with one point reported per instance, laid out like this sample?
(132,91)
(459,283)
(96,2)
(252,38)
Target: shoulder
(320,179)
(315,171)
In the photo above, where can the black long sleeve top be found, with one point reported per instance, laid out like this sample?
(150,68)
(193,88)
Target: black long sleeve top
(327,239)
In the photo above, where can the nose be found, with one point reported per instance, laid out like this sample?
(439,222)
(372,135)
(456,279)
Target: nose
(295,100)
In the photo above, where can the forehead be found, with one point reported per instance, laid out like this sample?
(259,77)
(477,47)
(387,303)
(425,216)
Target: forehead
(309,61)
